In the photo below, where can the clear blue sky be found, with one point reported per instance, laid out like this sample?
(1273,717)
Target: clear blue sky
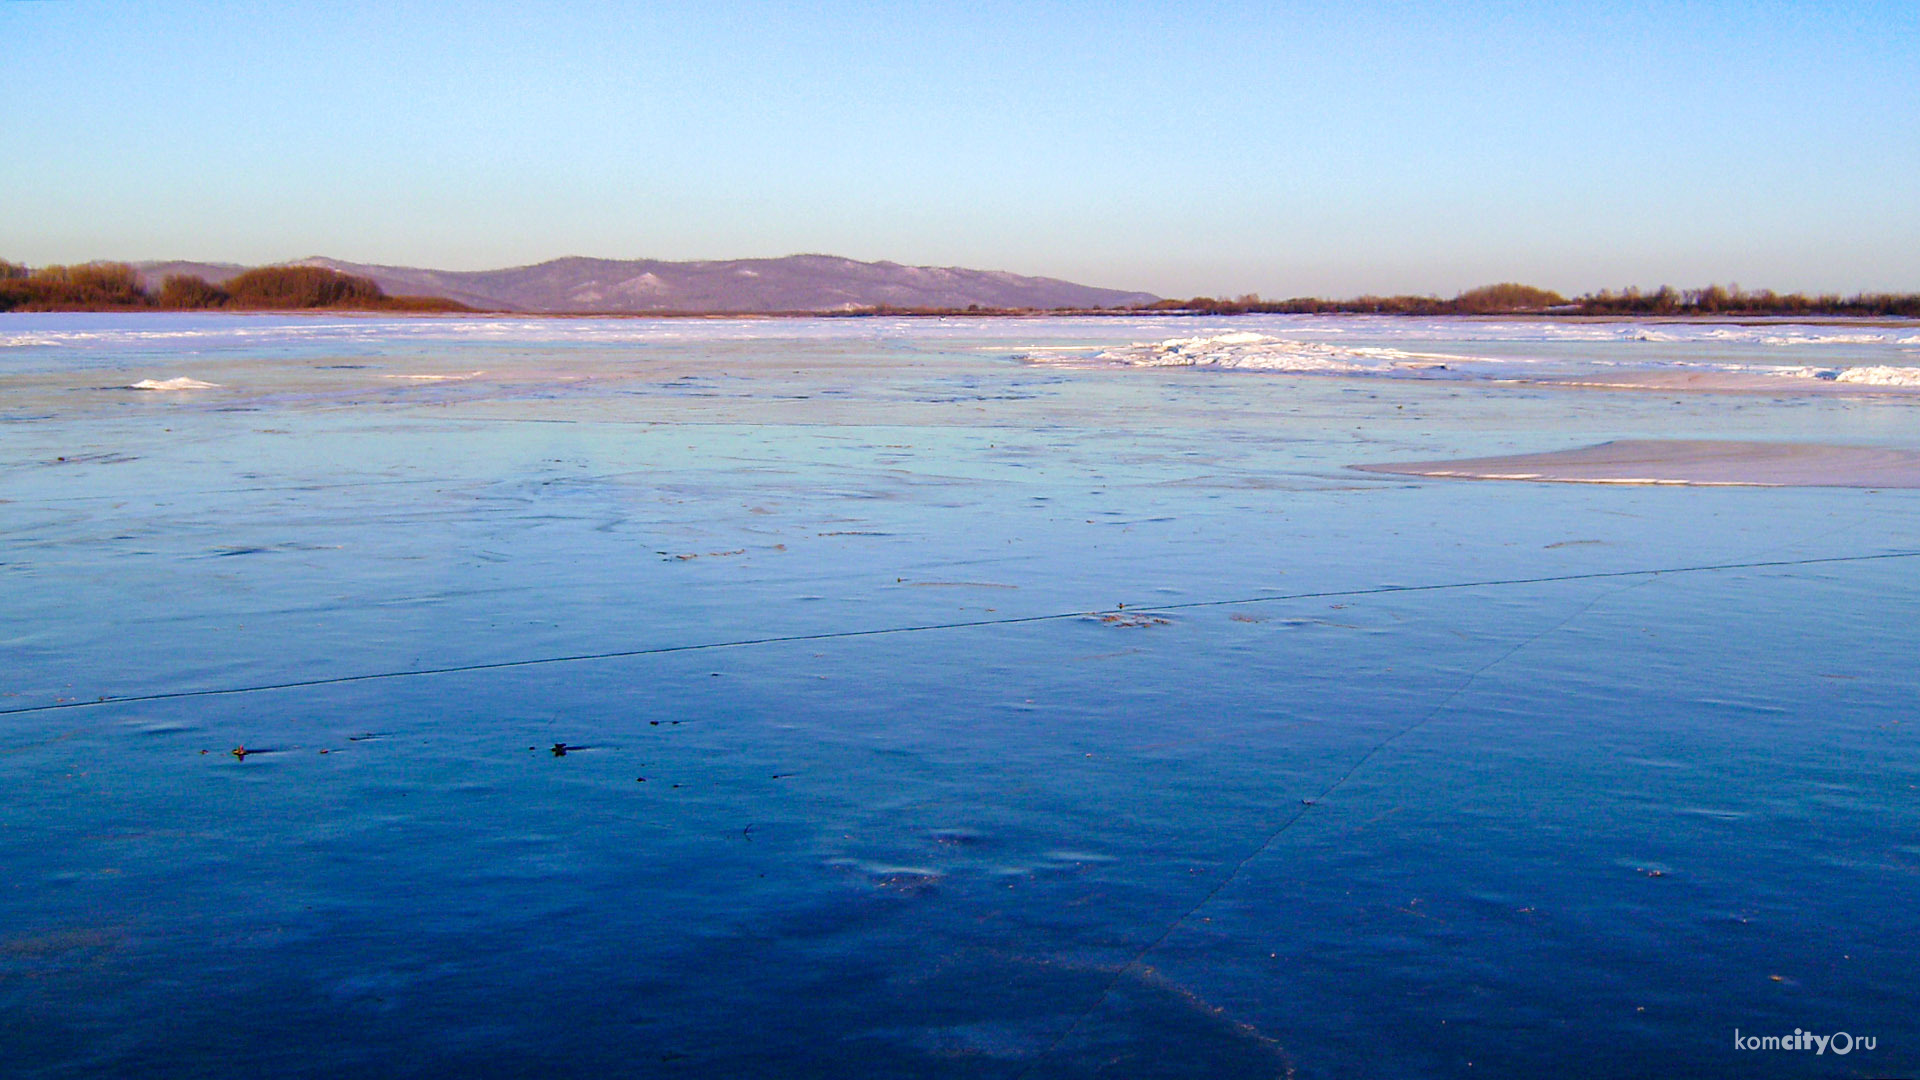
(1180,148)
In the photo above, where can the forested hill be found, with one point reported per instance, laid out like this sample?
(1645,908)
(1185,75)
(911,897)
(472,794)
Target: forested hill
(795,283)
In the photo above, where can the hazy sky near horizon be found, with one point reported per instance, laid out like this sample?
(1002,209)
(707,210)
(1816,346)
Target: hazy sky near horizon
(1284,148)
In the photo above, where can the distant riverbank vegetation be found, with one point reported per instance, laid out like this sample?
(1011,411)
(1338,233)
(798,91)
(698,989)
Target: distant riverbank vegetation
(1507,298)
(1514,299)
(119,287)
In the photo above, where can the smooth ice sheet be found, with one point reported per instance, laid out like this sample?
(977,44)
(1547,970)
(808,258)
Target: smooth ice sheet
(499,697)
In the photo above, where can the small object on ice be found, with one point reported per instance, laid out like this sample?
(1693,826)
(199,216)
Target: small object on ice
(181,383)
(241,752)
(560,749)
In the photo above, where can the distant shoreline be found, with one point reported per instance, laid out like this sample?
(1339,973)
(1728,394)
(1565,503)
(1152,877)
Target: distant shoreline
(816,286)
(1742,319)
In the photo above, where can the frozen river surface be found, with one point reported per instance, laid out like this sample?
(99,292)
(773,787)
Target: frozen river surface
(889,698)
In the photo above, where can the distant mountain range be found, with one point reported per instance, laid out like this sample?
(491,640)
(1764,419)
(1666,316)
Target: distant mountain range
(793,283)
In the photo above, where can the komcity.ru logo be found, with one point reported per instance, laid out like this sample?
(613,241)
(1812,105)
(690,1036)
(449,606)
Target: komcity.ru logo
(1839,1042)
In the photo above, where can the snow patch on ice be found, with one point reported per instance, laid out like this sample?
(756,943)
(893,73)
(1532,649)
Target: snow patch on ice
(1879,375)
(1823,339)
(181,383)
(1865,375)
(438,378)
(1261,352)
